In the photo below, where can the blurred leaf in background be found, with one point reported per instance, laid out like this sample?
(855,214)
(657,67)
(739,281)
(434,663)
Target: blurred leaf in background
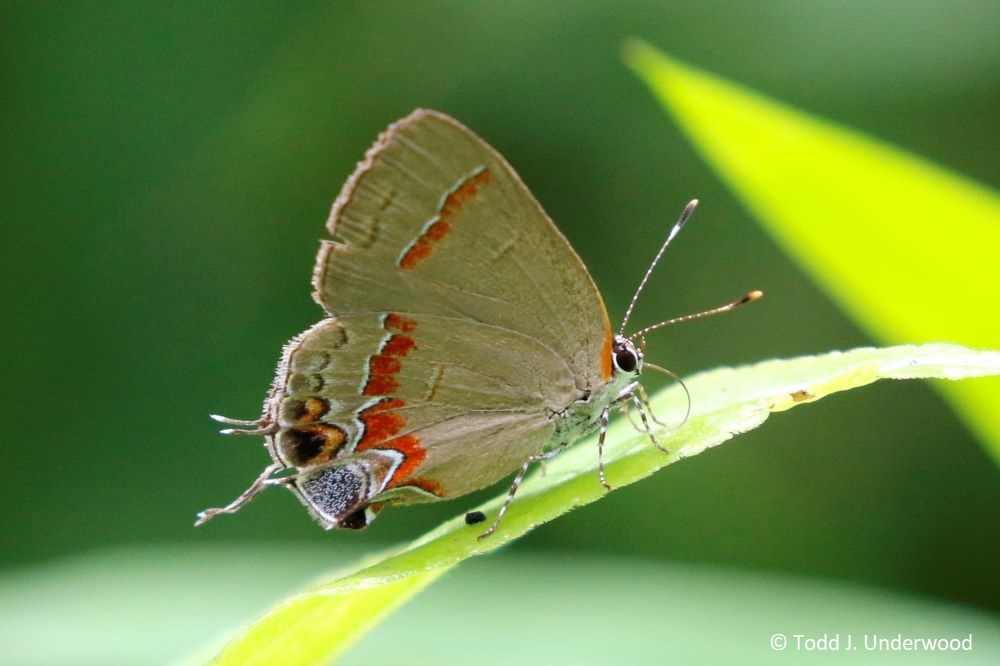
(672,613)
(907,247)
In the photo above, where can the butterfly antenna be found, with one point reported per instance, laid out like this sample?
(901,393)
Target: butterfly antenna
(678,225)
(752,296)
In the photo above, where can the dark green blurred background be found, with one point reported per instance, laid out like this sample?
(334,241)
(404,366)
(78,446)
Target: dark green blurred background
(167,171)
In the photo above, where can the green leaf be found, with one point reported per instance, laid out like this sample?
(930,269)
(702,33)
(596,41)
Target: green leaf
(906,247)
(318,624)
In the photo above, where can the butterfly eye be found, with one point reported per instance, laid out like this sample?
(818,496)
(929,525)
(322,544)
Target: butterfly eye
(625,355)
(625,359)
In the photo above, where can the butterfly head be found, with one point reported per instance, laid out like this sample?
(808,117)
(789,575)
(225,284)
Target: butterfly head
(626,357)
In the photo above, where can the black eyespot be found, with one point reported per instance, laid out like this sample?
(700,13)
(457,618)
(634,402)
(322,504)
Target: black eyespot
(355,521)
(474,517)
(625,359)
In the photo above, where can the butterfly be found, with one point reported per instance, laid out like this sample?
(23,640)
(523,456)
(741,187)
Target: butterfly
(464,339)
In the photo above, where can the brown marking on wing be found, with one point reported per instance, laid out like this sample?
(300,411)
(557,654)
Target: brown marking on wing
(313,444)
(434,383)
(323,358)
(316,407)
(506,246)
(381,422)
(423,246)
(304,412)
(801,395)
(606,367)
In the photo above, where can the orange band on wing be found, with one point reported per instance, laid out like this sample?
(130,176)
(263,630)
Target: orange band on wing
(398,345)
(384,366)
(382,372)
(398,323)
(381,423)
(606,367)
(423,245)
(413,455)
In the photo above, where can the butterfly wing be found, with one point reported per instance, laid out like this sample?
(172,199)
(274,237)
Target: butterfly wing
(462,322)
(435,221)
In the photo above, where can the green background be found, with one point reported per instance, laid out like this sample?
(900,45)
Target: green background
(167,171)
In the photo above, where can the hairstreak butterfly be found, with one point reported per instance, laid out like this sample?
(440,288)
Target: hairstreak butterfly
(463,341)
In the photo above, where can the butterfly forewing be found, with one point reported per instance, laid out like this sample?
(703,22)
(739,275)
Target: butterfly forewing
(435,221)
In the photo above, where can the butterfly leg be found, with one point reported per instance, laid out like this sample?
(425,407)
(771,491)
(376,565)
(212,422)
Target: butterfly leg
(263,427)
(642,407)
(538,457)
(622,399)
(600,447)
(628,414)
(239,422)
(641,390)
(257,486)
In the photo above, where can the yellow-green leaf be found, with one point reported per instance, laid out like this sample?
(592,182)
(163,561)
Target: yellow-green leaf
(906,247)
(314,626)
